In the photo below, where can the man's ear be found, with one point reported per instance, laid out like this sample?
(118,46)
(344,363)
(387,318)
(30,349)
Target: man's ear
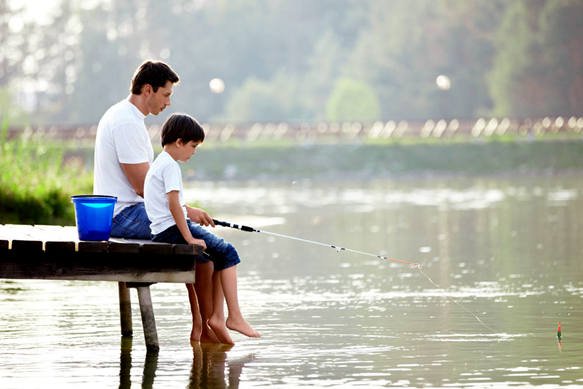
(179,142)
(147,89)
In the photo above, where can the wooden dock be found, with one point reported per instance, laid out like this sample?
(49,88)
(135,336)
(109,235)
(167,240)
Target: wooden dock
(55,253)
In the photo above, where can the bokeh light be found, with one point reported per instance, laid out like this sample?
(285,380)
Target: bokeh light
(217,85)
(443,82)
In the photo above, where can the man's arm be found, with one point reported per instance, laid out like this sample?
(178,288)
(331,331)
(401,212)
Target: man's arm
(136,174)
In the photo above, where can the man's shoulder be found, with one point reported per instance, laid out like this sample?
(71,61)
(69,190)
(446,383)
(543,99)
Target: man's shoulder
(121,114)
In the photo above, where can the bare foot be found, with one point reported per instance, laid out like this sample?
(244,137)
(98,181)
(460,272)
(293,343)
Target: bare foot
(208,335)
(241,325)
(218,327)
(195,334)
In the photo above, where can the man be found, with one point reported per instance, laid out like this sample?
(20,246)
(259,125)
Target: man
(123,154)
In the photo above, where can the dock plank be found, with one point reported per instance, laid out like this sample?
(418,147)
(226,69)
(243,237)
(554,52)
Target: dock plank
(55,252)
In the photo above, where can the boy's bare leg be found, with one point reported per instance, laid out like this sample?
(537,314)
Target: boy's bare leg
(196,318)
(235,321)
(204,290)
(217,320)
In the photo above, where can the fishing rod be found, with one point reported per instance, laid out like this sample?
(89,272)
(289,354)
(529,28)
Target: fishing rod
(338,248)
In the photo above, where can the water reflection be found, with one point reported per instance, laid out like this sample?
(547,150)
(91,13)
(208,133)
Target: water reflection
(125,365)
(210,364)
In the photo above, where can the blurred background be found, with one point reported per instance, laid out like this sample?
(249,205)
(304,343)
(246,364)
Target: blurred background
(65,62)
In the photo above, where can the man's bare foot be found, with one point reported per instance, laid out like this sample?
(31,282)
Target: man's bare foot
(241,325)
(195,334)
(204,335)
(218,327)
(208,335)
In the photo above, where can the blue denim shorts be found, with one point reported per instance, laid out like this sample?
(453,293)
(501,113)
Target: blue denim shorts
(132,223)
(221,253)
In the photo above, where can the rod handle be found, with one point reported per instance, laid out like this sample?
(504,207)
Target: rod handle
(221,223)
(239,227)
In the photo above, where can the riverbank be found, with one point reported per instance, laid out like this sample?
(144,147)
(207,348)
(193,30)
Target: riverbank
(395,159)
(38,178)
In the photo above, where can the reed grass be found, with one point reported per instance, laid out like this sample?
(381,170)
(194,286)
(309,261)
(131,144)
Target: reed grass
(37,181)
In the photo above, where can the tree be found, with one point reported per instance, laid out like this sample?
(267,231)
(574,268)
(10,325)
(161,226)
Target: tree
(15,48)
(264,101)
(538,68)
(407,44)
(352,100)
(562,47)
(13,58)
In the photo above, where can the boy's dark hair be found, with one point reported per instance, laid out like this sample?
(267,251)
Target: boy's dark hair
(183,126)
(156,74)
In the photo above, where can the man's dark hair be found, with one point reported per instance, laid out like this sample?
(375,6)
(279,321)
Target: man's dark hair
(156,74)
(183,126)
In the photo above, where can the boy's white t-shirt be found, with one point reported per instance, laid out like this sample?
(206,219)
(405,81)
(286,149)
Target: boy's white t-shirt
(122,137)
(164,176)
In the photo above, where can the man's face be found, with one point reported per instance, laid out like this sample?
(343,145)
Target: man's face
(159,100)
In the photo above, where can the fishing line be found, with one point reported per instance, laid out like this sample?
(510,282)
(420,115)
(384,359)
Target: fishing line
(337,248)
(415,265)
(456,303)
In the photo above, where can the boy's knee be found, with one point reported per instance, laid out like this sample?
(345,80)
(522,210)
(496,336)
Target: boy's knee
(229,250)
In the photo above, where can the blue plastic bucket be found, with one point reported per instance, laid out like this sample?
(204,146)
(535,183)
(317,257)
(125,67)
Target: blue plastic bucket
(93,214)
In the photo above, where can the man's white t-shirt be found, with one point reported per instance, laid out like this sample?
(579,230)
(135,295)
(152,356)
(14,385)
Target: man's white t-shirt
(122,137)
(164,176)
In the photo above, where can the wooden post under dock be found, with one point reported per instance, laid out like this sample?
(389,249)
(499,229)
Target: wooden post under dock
(125,309)
(55,253)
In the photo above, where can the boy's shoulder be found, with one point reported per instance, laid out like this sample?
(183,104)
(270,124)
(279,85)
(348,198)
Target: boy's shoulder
(163,161)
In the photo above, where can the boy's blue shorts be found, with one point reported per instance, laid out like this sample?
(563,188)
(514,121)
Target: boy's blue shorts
(222,253)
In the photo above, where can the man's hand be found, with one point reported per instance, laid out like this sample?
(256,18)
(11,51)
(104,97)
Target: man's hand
(199,216)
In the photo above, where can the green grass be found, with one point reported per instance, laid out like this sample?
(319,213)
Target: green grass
(36,182)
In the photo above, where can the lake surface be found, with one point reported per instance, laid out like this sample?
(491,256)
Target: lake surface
(501,266)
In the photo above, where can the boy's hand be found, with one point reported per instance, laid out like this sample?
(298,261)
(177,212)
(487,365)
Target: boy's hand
(198,242)
(199,216)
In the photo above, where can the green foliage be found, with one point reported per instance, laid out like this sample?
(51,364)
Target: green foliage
(539,59)
(517,58)
(406,44)
(352,100)
(10,112)
(36,183)
(263,101)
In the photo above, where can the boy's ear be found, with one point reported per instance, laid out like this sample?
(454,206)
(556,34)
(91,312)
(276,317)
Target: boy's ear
(179,142)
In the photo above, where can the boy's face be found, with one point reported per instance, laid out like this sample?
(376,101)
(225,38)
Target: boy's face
(186,150)
(159,100)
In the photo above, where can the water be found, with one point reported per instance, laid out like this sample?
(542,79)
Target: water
(501,267)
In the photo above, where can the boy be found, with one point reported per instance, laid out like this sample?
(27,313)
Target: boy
(181,134)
